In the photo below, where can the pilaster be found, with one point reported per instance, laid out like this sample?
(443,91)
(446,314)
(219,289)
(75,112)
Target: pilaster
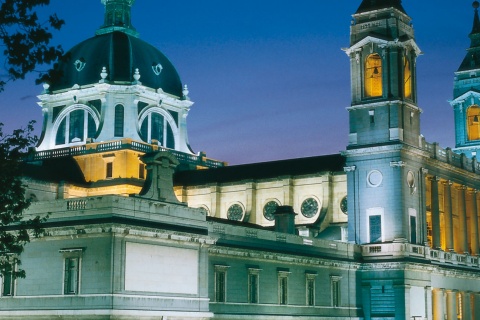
(474,224)
(435,211)
(438,299)
(447,211)
(462,217)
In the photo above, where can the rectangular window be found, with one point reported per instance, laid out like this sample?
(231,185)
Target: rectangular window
(335,290)
(109,170)
(71,269)
(283,287)
(119,120)
(413,229)
(71,275)
(141,171)
(253,288)
(221,283)
(8,282)
(375,224)
(310,289)
(371,114)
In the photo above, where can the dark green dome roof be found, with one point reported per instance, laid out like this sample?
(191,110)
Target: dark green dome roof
(121,54)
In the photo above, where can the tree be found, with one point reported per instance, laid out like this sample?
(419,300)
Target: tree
(25,39)
(15,231)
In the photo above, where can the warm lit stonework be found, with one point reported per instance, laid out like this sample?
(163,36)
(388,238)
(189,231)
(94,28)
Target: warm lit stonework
(142,227)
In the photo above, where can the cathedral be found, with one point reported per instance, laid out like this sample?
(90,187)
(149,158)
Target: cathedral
(141,227)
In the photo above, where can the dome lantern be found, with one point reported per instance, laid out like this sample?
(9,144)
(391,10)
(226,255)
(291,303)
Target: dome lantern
(118,17)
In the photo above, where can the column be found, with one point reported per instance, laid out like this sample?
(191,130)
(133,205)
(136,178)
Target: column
(462,219)
(474,224)
(435,211)
(451,305)
(438,304)
(447,211)
(251,203)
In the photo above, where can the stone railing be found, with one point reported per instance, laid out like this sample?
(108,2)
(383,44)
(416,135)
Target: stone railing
(450,157)
(90,148)
(402,250)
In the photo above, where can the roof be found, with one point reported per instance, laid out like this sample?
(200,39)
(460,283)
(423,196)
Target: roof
(370,5)
(262,170)
(54,170)
(120,54)
(472,58)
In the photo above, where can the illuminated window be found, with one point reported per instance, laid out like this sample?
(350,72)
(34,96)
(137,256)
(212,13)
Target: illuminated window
(109,170)
(473,122)
(407,78)
(373,76)
(119,120)
(221,283)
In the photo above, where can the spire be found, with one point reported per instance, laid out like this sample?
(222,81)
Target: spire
(117,17)
(370,5)
(476,20)
(472,59)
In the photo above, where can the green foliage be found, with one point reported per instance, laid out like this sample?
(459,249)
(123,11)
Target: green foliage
(14,229)
(25,39)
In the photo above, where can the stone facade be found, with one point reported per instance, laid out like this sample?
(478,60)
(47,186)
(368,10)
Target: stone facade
(389,229)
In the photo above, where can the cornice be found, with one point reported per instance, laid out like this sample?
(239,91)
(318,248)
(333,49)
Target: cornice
(282,257)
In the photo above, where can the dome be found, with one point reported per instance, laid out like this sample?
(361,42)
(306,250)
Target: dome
(121,54)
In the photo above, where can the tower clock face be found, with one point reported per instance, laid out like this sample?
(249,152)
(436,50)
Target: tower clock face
(309,207)
(235,212)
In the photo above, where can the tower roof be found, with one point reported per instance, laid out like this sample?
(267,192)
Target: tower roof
(472,59)
(370,5)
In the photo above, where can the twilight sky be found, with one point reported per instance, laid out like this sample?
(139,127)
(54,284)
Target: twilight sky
(268,77)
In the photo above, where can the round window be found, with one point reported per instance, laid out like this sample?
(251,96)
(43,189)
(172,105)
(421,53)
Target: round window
(269,210)
(343,205)
(411,179)
(235,212)
(309,207)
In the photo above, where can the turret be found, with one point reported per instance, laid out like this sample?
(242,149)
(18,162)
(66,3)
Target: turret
(466,95)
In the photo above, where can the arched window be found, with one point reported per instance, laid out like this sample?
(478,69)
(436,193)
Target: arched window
(155,126)
(407,78)
(75,126)
(119,120)
(473,122)
(373,76)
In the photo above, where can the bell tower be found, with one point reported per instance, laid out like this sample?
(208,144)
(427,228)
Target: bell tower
(383,57)
(466,95)
(384,136)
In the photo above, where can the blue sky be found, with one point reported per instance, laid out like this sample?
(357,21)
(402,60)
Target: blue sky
(268,77)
